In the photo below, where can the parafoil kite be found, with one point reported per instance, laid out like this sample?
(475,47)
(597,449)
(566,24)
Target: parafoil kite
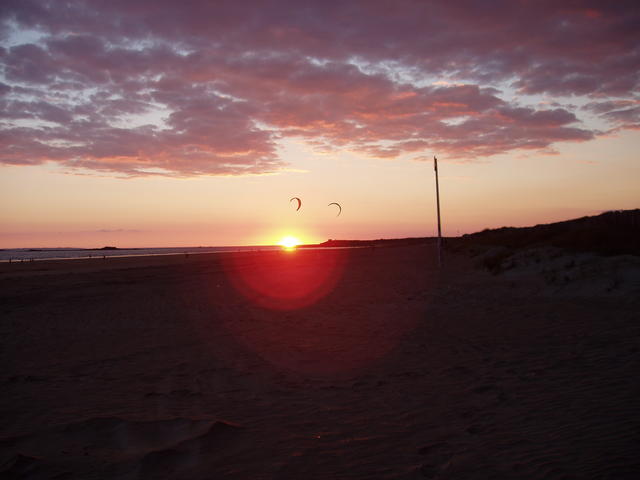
(339,208)
(298,200)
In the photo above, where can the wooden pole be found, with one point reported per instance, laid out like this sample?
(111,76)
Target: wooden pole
(435,168)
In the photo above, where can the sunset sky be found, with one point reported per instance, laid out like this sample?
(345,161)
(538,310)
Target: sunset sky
(166,123)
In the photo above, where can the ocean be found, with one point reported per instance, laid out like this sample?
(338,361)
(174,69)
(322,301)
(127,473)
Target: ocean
(35,254)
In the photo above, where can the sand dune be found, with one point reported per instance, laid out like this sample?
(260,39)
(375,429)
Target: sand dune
(170,368)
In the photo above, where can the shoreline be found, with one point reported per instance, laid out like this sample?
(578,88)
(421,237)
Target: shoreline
(186,254)
(105,257)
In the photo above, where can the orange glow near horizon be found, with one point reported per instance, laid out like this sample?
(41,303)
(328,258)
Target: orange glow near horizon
(50,208)
(289,242)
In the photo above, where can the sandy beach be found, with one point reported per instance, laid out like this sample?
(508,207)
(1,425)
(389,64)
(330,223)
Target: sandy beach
(349,363)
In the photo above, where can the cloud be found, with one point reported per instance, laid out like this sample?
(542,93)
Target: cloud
(156,88)
(624,114)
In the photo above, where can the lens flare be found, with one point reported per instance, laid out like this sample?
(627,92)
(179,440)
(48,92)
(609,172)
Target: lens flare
(279,281)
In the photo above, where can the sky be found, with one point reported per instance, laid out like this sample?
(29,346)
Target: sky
(162,123)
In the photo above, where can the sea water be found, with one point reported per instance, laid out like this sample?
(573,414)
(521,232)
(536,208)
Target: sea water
(28,254)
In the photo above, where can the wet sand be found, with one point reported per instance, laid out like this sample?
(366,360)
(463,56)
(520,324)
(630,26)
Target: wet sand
(363,363)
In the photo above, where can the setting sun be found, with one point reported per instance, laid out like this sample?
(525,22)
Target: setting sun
(289,242)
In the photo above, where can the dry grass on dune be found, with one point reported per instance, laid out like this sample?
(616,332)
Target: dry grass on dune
(610,233)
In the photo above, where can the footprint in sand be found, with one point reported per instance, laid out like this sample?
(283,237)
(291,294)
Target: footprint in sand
(195,453)
(157,449)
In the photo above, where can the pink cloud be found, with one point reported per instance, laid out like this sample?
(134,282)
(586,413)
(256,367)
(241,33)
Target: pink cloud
(218,84)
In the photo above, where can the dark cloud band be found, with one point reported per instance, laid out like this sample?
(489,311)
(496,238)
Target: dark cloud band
(147,88)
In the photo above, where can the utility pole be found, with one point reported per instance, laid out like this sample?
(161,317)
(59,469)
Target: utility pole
(435,168)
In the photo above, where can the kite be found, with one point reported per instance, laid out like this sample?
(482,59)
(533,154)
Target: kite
(339,207)
(299,202)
